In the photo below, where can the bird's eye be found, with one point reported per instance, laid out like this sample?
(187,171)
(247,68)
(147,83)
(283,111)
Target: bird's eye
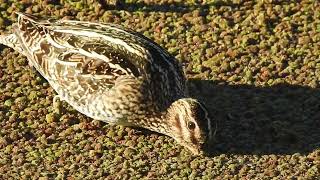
(191,125)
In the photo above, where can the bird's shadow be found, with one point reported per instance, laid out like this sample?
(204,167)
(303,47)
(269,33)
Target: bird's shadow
(175,7)
(166,7)
(178,7)
(281,119)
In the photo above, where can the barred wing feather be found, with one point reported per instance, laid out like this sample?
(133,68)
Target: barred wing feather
(86,57)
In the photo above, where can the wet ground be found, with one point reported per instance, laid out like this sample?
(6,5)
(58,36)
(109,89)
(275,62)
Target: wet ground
(255,65)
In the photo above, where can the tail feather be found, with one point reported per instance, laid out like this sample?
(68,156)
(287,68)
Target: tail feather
(12,41)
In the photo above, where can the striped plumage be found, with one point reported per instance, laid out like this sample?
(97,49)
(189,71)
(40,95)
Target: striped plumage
(113,74)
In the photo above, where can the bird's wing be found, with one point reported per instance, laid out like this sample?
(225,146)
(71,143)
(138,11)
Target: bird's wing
(61,51)
(94,52)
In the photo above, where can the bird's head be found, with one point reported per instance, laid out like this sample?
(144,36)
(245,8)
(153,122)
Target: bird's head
(190,125)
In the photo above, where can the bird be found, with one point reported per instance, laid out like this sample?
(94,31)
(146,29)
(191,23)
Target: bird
(113,74)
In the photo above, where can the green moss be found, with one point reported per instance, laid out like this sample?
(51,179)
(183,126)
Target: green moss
(33,95)
(50,118)
(8,102)
(239,48)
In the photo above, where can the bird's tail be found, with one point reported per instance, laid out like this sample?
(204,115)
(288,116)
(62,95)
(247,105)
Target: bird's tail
(11,41)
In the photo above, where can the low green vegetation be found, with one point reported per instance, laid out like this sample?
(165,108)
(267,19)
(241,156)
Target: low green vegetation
(255,64)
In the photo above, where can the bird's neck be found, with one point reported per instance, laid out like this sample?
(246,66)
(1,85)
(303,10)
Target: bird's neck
(157,122)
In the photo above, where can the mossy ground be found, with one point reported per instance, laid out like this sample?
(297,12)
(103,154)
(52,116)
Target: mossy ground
(255,64)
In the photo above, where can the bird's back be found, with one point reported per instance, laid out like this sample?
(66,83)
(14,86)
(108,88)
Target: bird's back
(100,67)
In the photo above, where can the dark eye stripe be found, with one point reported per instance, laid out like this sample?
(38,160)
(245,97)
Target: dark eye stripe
(177,122)
(193,139)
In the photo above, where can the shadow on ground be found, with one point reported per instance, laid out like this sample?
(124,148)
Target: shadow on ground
(282,119)
(178,6)
(167,7)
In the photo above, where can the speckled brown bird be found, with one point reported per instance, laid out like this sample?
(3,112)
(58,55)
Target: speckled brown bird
(115,75)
